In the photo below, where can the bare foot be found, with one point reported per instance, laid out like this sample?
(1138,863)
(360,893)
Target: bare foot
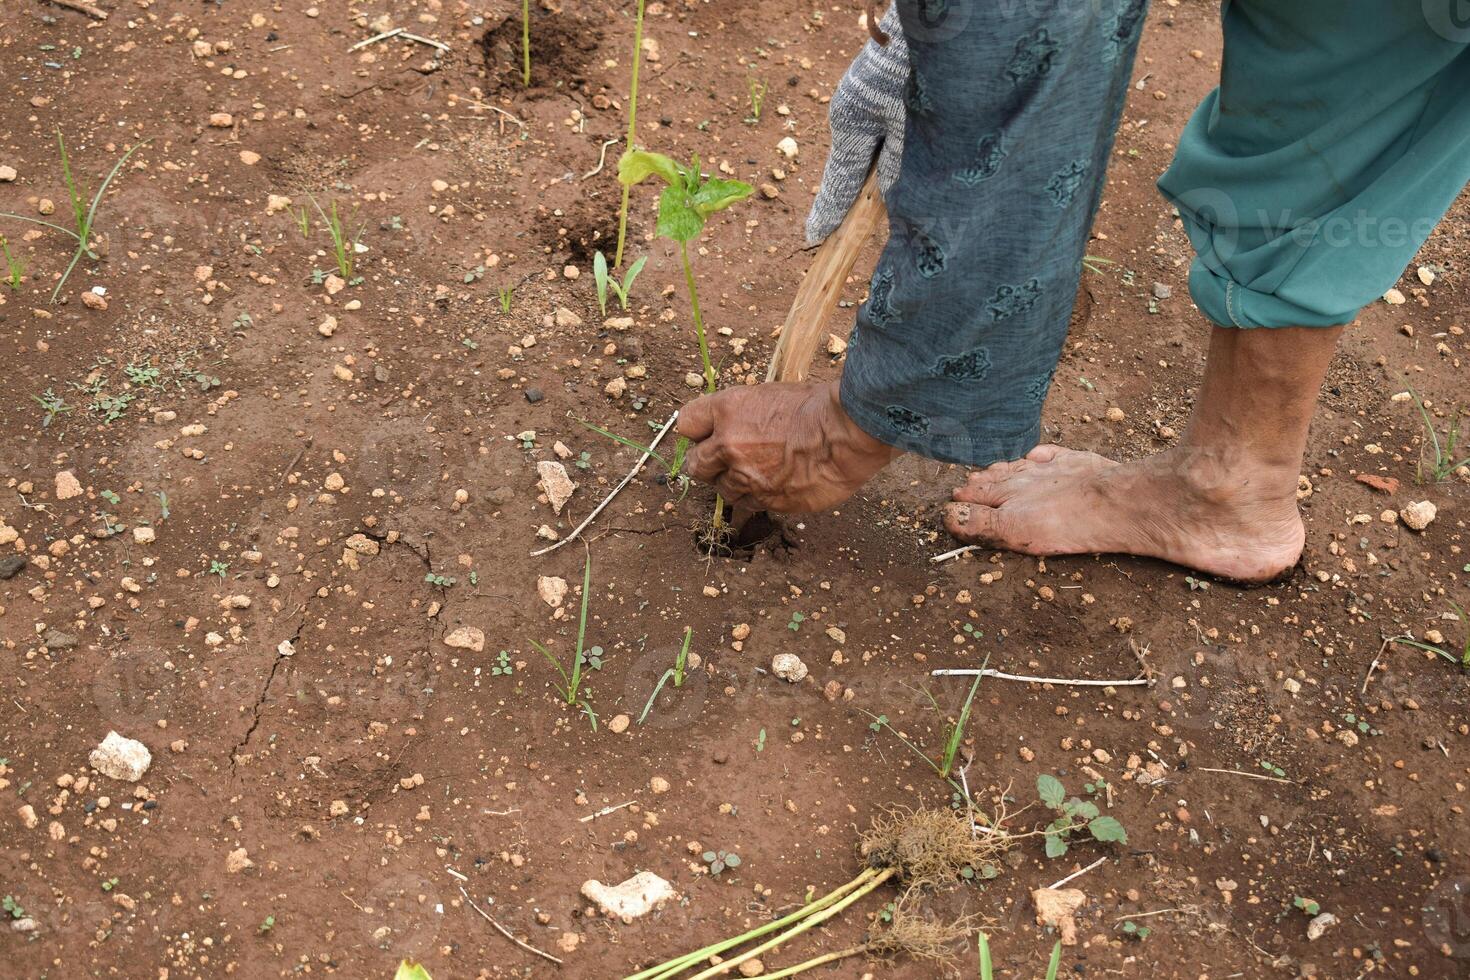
(1201,514)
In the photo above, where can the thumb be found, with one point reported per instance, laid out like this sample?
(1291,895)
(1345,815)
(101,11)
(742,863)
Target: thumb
(697,419)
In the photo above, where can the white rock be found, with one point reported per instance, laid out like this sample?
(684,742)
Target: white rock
(1426,275)
(144,535)
(1394,297)
(631,900)
(554,480)
(788,147)
(1319,925)
(121,758)
(551,589)
(566,318)
(7,174)
(788,667)
(67,485)
(1419,515)
(466,638)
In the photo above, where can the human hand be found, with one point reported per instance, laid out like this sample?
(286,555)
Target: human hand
(867,118)
(784,447)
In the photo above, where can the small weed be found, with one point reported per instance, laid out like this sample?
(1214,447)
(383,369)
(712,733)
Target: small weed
(266,925)
(243,322)
(674,673)
(408,970)
(11,905)
(757,89)
(162,504)
(760,741)
(1273,769)
(1134,931)
(606,281)
(475,274)
(344,240)
(1073,815)
(219,568)
(1463,660)
(111,497)
(14,269)
(507,293)
(592,658)
(442,581)
(109,884)
(1306,905)
(503,667)
(720,860)
(583,460)
(1438,469)
(1094,263)
(956,733)
(876,725)
(303,221)
(52,404)
(796,620)
(671,467)
(571,683)
(84,215)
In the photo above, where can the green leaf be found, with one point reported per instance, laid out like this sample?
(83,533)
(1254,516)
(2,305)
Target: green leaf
(709,855)
(718,194)
(1056,846)
(636,165)
(411,971)
(732,860)
(1108,829)
(677,219)
(1051,790)
(1083,809)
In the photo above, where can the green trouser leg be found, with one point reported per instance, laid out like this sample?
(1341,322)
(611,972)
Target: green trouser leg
(1337,140)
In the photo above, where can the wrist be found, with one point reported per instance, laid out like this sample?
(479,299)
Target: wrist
(852,436)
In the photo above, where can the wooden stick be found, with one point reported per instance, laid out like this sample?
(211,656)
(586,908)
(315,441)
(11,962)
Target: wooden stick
(615,491)
(819,292)
(1248,775)
(1075,874)
(506,932)
(91,10)
(1063,681)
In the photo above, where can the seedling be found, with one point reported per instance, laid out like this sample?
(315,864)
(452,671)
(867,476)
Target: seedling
(1306,905)
(109,884)
(1073,815)
(1273,769)
(720,860)
(796,620)
(11,905)
(674,673)
(583,460)
(219,568)
(303,221)
(1463,660)
(685,204)
(632,130)
(408,970)
(507,293)
(1438,469)
(266,925)
(1094,263)
(592,658)
(571,683)
(606,281)
(671,467)
(1134,931)
(84,215)
(14,269)
(1056,961)
(475,274)
(52,404)
(503,667)
(956,732)
(758,89)
(526,43)
(442,581)
(344,240)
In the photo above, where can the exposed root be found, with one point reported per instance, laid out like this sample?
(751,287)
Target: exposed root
(915,932)
(928,847)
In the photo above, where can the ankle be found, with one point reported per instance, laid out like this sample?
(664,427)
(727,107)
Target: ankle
(1232,475)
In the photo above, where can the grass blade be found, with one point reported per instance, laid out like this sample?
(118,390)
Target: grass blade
(1056,961)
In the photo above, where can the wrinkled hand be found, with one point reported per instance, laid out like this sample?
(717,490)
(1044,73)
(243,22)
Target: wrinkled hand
(867,117)
(783,447)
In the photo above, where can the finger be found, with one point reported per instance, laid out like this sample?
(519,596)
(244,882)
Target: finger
(705,462)
(697,419)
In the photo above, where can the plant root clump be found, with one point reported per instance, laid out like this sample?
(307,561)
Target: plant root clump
(928,847)
(917,933)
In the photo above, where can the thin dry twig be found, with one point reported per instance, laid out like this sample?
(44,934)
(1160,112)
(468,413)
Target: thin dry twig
(1076,874)
(1064,681)
(91,10)
(1387,641)
(1248,775)
(376,38)
(605,811)
(615,491)
(506,932)
(956,553)
(601,157)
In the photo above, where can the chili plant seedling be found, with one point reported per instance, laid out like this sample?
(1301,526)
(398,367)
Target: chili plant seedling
(632,129)
(14,269)
(571,682)
(84,215)
(674,673)
(606,281)
(1073,815)
(684,206)
(1438,469)
(344,240)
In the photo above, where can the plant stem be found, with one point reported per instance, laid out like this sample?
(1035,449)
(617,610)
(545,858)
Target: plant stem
(688,960)
(799,928)
(710,377)
(526,42)
(812,964)
(632,132)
